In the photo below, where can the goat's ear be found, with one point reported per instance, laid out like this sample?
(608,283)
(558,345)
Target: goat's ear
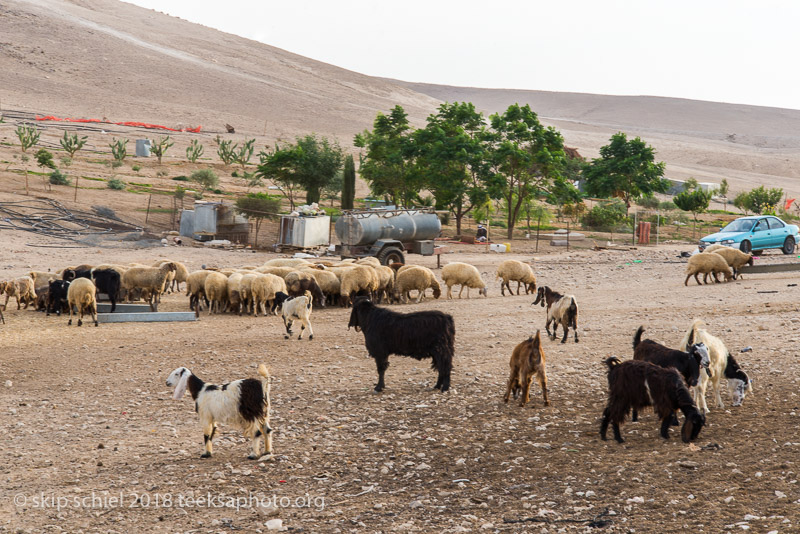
(180,389)
(537,339)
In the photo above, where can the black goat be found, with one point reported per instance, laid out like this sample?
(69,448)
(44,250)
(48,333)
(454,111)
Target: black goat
(108,282)
(738,380)
(57,296)
(687,363)
(638,384)
(423,334)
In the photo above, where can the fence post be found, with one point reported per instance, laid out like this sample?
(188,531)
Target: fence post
(567,235)
(635,222)
(147,216)
(538,224)
(658,225)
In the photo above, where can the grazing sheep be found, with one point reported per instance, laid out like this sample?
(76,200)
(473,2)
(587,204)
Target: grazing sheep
(286,262)
(636,384)
(196,289)
(216,291)
(298,282)
(561,310)
(234,299)
(329,284)
(179,276)
(722,366)
(57,297)
(464,274)
(423,334)
(358,280)
(416,278)
(519,272)
(109,282)
(262,290)
(706,264)
(713,248)
(243,403)
(278,271)
(21,288)
(735,258)
(372,261)
(527,361)
(151,279)
(41,279)
(296,308)
(385,283)
(81,298)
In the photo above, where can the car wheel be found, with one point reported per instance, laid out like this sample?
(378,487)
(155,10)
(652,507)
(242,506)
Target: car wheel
(745,246)
(788,245)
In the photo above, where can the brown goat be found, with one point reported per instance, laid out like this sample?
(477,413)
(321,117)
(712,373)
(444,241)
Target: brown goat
(527,360)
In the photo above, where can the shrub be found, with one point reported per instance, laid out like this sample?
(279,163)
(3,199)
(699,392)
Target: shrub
(116,184)
(667,206)
(181,179)
(207,178)
(58,178)
(194,151)
(649,202)
(606,215)
(45,159)
(116,164)
(162,173)
(66,161)
(136,168)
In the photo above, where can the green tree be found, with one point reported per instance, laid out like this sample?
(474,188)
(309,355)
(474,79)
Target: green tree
(605,215)
(743,202)
(28,136)
(243,155)
(71,143)
(696,201)
(207,178)
(310,164)
(226,151)
(194,151)
(44,158)
(333,189)
(258,206)
(161,146)
(723,188)
(763,199)
(118,149)
(388,165)
(625,169)
(691,185)
(526,155)
(349,183)
(451,159)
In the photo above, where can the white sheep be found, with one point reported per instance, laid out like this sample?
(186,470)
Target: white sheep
(263,289)
(297,308)
(354,280)
(385,283)
(721,366)
(706,264)
(234,299)
(179,276)
(372,261)
(151,279)
(244,403)
(286,262)
(278,271)
(736,259)
(713,248)
(328,282)
(81,298)
(464,274)
(513,270)
(416,278)
(216,291)
(196,289)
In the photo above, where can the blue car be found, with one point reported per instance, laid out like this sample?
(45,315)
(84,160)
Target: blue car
(755,233)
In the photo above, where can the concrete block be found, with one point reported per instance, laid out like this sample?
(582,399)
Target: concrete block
(152,317)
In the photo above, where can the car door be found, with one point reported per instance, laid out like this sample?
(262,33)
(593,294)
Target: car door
(761,237)
(778,230)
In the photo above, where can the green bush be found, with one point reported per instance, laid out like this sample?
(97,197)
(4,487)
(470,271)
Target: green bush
(116,184)
(58,178)
(217,191)
(667,206)
(649,202)
(606,215)
(136,168)
(181,179)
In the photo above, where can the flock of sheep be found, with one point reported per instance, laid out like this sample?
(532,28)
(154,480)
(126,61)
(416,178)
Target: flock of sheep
(657,376)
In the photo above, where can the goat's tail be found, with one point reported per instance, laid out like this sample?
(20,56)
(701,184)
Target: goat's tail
(573,313)
(637,337)
(612,362)
(691,334)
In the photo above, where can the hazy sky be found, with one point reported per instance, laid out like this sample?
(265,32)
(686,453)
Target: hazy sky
(720,50)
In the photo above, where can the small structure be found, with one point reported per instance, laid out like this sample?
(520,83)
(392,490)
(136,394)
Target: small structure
(143,148)
(302,231)
(214,220)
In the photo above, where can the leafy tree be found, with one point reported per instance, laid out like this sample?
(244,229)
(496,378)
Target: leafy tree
(310,164)
(648,201)
(743,202)
(161,146)
(694,201)
(723,188)
(333,189)
(44,159)
(226,151)
(243,155)
(605,215)
(251,180)
(691,185)
(525,155)
(388,165)
(194,151)
(28,136)
(763,199)
(625,169)
(349,183)
(207,178)
(258,206)
(71,143)
(451,153)
(118,149)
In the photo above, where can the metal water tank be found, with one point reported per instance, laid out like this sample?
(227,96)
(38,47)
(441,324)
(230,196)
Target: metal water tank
(143,148)
(365,227)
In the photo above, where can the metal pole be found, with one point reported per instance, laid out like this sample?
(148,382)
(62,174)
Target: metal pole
(147,216)
(635,222)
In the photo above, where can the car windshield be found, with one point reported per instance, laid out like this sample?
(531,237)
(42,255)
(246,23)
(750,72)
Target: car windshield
(739,225)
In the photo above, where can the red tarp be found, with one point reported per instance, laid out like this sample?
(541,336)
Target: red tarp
(128,123)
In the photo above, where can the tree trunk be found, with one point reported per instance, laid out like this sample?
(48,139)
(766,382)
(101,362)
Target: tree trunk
(312,195)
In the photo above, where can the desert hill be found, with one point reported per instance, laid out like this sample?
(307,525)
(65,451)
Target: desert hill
(105,58)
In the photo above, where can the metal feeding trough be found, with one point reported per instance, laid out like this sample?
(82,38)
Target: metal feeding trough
(148,317)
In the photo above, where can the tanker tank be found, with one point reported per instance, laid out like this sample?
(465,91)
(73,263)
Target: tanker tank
(357,228)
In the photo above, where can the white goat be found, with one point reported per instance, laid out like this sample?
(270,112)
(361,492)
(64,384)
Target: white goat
(721,366)
(295,308)
(243,403)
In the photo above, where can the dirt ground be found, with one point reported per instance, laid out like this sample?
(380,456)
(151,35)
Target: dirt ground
(89,426)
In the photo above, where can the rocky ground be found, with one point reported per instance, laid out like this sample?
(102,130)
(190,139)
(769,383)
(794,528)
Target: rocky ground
(93,441)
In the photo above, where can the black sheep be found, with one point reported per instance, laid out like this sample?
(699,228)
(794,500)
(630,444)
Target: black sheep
(57,296)
(423,334)
(108,282)
(637,384)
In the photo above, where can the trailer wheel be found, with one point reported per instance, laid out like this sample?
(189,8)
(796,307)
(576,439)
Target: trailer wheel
(391,255)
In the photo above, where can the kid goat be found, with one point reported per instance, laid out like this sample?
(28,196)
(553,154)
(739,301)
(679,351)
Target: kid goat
(243,403)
